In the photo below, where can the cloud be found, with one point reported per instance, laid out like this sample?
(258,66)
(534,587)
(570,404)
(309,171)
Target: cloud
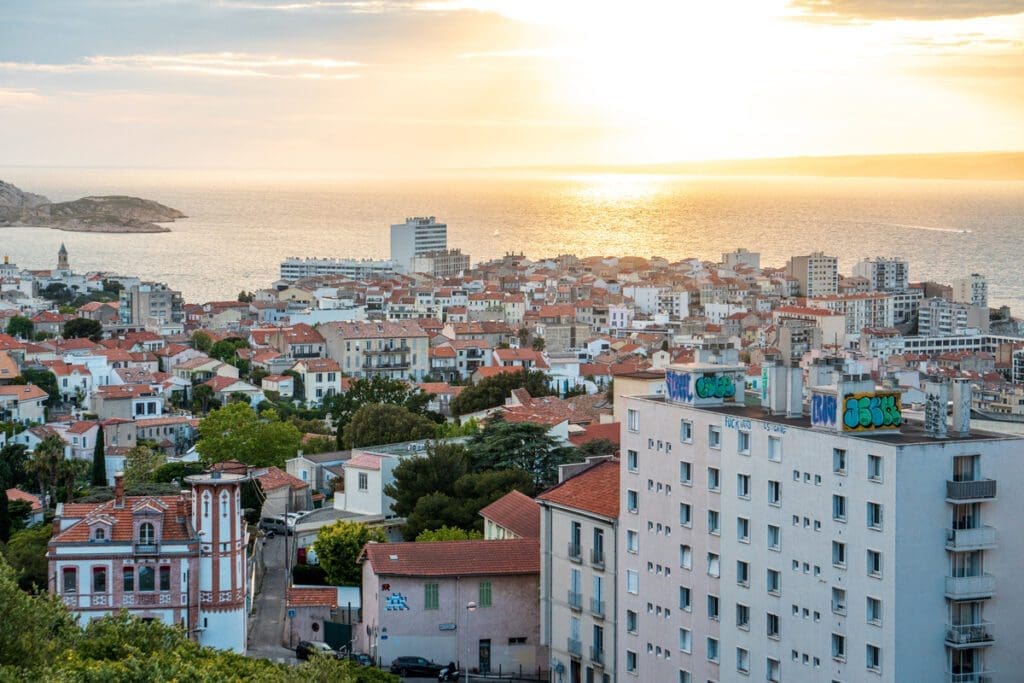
(224,64)
(844,11)
(523,53)
(18,97)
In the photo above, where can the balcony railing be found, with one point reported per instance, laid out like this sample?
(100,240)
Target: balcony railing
(970,587)
(971,490)
(575,553)
(970,539)
(597,558)
(390,349)
(575,600)
(973,677)
(597,655)
(575,647)
(969,635)
(403,365)
(147,548)
(597,607)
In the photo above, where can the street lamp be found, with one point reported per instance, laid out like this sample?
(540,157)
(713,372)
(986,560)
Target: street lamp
(470,608)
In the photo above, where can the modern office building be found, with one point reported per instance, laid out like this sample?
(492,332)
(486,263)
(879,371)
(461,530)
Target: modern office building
(442,263)
(817,274)
(847,545)
(418,236)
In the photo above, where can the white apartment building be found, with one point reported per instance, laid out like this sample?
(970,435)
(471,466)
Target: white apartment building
(766,544)
(418,236)
(884,274)
(972,290)
(294,268)
(873,309)
(817,274)
(742,257)
(393,349)
(938,318)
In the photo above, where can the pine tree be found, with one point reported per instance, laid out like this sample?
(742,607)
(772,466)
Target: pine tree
(99,461)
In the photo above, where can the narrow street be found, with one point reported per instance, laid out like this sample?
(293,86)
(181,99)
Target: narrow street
(266,623)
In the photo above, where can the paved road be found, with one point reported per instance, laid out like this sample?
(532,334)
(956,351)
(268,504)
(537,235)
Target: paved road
(266,623)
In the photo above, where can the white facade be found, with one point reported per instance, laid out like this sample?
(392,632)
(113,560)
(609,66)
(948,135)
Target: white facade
(972,290)
(884,274)
(294,268)
(817,274)
(418,236)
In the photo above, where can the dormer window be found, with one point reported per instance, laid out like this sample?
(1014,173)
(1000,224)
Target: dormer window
(99,534)
(147,533)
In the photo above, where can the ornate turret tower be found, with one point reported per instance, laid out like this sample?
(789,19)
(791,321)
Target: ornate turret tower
(217,519)
(62,258)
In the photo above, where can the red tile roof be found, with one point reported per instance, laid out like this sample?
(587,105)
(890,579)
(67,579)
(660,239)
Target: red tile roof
(594,490)
(455,558)
(311,597)
(365,461)
(275,478)
(516,512)
(608,430)
(121,531)
(18,494)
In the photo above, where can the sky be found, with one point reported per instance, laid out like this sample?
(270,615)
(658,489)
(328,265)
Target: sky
(409,85)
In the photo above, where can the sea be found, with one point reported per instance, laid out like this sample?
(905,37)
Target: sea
(241,225)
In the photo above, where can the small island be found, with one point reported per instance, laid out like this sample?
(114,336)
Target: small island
(113,213)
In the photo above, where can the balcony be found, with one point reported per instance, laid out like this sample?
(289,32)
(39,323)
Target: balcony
(597,655)
(575,600)
(969,635)
(390,349)
(970,587)
(147,548)
(597,608)
(575,647)
(575,552)
(597,558)
(973,677)
(398,365)
(965,491)
(963,540)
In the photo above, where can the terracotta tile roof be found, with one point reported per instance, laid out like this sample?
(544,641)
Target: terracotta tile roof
(18,494)
(442,352)
(22,392)
(593,490)
(319,365)
(311,597)
(516,512)
(608,430)
(439,388)
(455,558)
(274,478)
(113,391)
(82,427)
(365,461)
(121,531)
(378,330)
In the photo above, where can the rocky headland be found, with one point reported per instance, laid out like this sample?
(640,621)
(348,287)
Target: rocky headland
(89,214)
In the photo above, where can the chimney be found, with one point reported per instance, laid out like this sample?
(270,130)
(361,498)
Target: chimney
(795,405)
(777,389)
(962,392)
(936,398)
(119,490)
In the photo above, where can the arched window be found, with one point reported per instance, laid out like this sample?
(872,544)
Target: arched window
(147,533)
(224,504)
(100,534)
(206,504)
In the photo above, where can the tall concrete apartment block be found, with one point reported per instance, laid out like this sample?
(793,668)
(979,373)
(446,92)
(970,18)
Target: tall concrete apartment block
(972,290)
(151,303)
(885,274)
(418,236)
(817,274)
(762,543)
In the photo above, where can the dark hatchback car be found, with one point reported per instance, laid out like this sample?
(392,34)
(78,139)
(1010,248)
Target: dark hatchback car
(360,658)
(415,666)
(309,648)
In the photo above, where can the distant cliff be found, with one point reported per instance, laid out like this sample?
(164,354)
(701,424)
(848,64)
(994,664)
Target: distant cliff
(88,214)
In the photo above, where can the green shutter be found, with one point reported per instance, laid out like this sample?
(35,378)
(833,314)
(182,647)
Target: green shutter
(430,598)
(485,594)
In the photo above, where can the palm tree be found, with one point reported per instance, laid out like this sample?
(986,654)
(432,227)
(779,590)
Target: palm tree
(45,465)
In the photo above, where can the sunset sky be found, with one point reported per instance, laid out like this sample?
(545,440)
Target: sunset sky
(409,84)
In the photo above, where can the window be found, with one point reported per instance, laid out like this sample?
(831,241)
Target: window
(874,611)
(742,660)
(632,621)
(874,563)
(742,573)
(838,554)
(684,598)
(632,500)
(147,579)
(743,485)
(774,449)
(632,581)
(684,677)
(685,639)
(630,661)
(774,671)
(839,508)
(685,431)
(484,597)
(772,625)
(774,581)
(774,537)
(743,529)
(713,607)
(743,442)
(714,476)
(713,524)
(685,514)
(597,554)
(632,420)
(632,541)
(714,437)
(712,648)
(713,565)
(774,493)
(128,579)
(632,460)
(430,596)
(742,616)
(99,534)
(875,468)
(165,578)
(874,515)
(838,600)
(685,557)
(685,473)
(874,658)
(838,646)
(838,461)
(99,579)
(69,579)
(147,533)
(796,475)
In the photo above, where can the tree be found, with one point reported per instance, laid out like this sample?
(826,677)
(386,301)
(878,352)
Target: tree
(42,378)
(319,444)
(79,328)
(20,326)
(436,471)
(382,423)
(201,341)
(176,471)
(99,461)
(13,463)
(226,350)
(378,389)
(599,447)
(5,516)
(461,507)
(34,628)
(140,463)
(26,552)
(236,431)
(338,546)
(492,392)
(523,445)
(448,533)
(45,466)
(246,297)
(537,344)
(203,398)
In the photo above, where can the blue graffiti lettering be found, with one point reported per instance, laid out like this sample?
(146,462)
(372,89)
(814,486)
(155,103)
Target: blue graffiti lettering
(823,410)
(677,385)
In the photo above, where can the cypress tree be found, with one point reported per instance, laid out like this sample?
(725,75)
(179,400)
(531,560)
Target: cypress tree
(5,517)
(99,461)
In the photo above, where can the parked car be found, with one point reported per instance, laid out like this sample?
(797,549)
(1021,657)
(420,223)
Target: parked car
(361,658)
(415,666)
(308,648)
(275,524)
